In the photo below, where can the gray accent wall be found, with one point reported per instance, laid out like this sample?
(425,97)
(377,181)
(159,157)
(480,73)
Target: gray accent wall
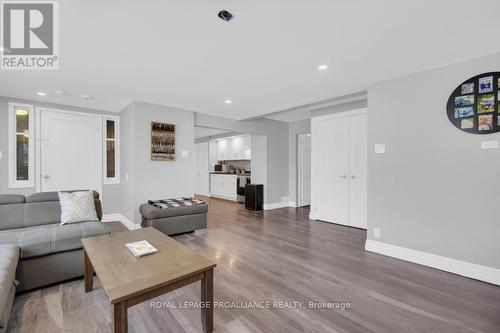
(434,190)
(111,193)
(149,179)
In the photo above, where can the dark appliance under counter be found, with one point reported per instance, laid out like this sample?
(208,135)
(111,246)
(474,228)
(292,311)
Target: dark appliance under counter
(254,196)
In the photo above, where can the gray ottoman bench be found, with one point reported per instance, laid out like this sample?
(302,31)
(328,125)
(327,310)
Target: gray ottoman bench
(173,216)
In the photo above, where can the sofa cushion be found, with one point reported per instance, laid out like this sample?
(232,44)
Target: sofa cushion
(7,199)
(9,256)
(51,238)
(77,207)
(44,208)
(11,216)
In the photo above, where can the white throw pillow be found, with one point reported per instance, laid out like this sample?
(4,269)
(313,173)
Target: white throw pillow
(77,207)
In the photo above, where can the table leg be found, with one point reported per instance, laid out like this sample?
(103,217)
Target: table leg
(207,297)
(119,317)
(88,273)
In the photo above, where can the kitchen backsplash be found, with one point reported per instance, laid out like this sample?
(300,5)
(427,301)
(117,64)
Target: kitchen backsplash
(244,165)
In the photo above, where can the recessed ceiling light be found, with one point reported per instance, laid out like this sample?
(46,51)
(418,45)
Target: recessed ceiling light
(60,93)
(322,67)
(228,101)
(85,97)
(41,93)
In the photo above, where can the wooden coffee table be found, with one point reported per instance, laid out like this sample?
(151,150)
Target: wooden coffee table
(130,280)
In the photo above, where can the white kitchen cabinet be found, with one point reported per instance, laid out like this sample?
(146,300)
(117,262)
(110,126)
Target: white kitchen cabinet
(238,148)
(223,186)
(223,152)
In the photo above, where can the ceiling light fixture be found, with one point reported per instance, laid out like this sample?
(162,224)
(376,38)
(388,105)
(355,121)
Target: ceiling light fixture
(228,101)
(41,93)
(60,93)
(322,67)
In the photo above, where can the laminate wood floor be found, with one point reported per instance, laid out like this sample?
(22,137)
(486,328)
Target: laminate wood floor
(280,255)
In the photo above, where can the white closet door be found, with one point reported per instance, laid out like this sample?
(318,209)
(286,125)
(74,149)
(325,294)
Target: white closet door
(70,151)
(330,163)
(358,174)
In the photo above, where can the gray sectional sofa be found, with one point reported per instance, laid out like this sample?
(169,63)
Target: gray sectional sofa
(35,246)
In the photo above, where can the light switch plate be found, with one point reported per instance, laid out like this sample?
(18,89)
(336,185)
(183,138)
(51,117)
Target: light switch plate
(185,154)
(376,232)
(0,154)
(379,148)
(489,144)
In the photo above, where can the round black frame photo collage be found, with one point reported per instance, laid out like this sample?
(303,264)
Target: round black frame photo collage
(473,105)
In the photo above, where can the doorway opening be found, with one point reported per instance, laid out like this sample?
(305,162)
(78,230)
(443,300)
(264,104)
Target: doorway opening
(303,169)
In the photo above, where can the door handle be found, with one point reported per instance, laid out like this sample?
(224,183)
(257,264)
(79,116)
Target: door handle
(344,176)
(353,177)
(46,177)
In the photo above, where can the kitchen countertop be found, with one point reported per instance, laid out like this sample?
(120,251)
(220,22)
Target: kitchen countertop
(230,173)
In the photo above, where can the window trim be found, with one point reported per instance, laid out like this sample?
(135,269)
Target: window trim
(13,182)
(116,179)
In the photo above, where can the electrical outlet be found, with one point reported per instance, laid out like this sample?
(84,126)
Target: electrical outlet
(376,232)
(185,154)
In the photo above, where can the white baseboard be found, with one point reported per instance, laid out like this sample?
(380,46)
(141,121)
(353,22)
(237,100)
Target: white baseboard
(292,204)
(478,272)
(275,205)
(121,218)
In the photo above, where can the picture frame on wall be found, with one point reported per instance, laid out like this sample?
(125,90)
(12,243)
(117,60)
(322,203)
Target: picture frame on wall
(467,88)
(485,122)
(474,105)
(486,103)
(485,84)
(162,141)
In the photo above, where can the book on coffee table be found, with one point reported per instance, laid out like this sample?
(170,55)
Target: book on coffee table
(141,248)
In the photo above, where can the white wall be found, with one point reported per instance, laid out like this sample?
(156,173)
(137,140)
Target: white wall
(111,193)
(434,190)
(150,180)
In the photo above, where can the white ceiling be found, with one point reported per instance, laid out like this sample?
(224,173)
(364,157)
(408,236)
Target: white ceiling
(179,53)
(304,112)
(202,132)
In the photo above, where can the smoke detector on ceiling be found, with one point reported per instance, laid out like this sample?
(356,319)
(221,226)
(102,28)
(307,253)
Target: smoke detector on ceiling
(225,15)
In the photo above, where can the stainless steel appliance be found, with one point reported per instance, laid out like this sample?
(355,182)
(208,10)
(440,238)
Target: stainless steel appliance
(241,182)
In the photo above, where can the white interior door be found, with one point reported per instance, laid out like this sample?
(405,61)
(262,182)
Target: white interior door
(70,151)
(358,173)
(304,170)
(330,165)
(202,169)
